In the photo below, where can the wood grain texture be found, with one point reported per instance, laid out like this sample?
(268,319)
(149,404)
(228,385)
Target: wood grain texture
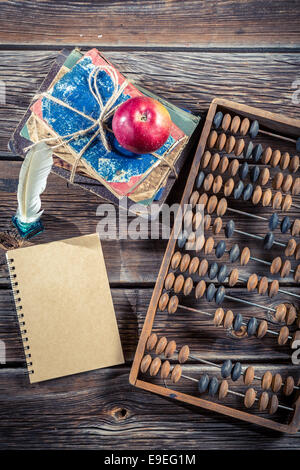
(156,23)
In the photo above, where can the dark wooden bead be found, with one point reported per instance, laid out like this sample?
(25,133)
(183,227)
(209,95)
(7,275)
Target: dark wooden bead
(236,371)
(226,368)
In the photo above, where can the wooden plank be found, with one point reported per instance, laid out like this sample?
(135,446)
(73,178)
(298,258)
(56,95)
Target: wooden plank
(156,23)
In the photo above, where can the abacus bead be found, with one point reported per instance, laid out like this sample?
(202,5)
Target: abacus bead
(268,240)
(287,202)
(222,274)
(197,220)
(163,301)
(252,282)
(255,172)
(145,363)
(277,200)
(208,181)
(221,141)
(262,329)
(297,251)
(236,371)
(176,260)
(205,159)
(223,390)
(194,264)
(217,184)
(266,156)
(203,383)
(287,183)
(280,312)
(249,375)
(248,150)
(228,187)
(161,345)
(257,151)
(234,253)
(214,162)
(266,380)
(165,370)
(220,294)
(200,179)
(250,396)
(238,321)
(263,285)
(273,404)
(239,147)
(273,288)
(218,316)
(235,124)
(263,401)
(296,187)
(207,221)
(176,373)
(203,267)
(283,335)
(173,304)
(178,284)
(297,273)
(285,160)
(257,194)
(213,386)
(264,176)
(222,207)
(209,245)
(273,221)
(217,225)
(188,286)
(194,198)
(276,383)
(185,261)
(267,197)
(200,242)
(244,170)
(218,119)
(212,204)
(212,138)
(238,190)
(245,124)
(226,122)
(276,155)
(277,180)
(233,277)
(226,368)
(230,144)
(170,349)
(233,167)
(294,164)
(151,342)
(155,366)
(248,192)
(213,270)
(286,268)
(228,320)
(245,256)
(252,326)
(289,386)
(290,247)
(254,128)
(210,292)
(291,315)
(182,240)
(276,265)
(200,289)
(183,354)
(220,249)
(223,165)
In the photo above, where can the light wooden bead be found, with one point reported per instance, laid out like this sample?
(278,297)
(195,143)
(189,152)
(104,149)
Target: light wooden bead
(294,164)
(185,261)
(263,401)
(221,141)
(212,204)
(190,244)
(173,304)
(188,286)
(221,207)
(296,187)
(228,187)
(275,159)
(228,320)
(188,217)
(203,199)
(209,245)
(170,349)
(194,198)
(163,301)
(223,389)
(288,387)
(169,281)
(208,181)
(280,312)
(266,155)
(245,124)
(277,180)
(151,342)
(178,284)
(176,260)
(286,202)
(276,383)
(200,243)
(176,373)
(267,197)
(263,285)
(197,220)
(233,277)
(161,345)
(205,159)
(291,314)
(217,184)
(252,282)
(257,194)
(273,406)
(276,265)
(249,375)
(264,176)
(165,370)
(155,366)
(297,252)
(203,267)
(262,329)
(217,225)
(286,268)
(145,363)
(230,144)
(250,396)
(207,221)
(233,167)
(184,354)
(239,147)
(226,122)
(212,139)
(273,288)
(214,162)
(290,247)
(200,289)
(277,200)
(283,335)
(223,165)
(245,256)
(218,316)
(266,380)
(285,160)
(297,273)
(235,124)
(194,264)
(287,183)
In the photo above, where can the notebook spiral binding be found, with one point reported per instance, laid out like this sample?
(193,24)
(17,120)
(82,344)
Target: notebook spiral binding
(21,319)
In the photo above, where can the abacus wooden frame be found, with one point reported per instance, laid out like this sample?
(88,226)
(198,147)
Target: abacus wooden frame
(273,123)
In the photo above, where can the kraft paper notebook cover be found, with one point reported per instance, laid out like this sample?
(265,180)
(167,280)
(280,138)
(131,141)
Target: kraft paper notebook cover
(67,318)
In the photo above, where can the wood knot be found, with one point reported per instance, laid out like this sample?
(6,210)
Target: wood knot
(242,333)
(120,413)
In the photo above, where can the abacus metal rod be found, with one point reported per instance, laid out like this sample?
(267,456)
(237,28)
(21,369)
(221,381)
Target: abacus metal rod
(248,302)
(254,216)
(258,237)
(279,290)
(268,263)
(282,137)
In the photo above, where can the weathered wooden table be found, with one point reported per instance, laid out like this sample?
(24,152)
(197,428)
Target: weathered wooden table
(188,52)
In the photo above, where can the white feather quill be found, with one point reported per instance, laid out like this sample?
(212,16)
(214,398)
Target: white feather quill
(32,182)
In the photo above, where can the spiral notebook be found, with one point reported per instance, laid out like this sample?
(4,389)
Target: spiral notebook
(64,307)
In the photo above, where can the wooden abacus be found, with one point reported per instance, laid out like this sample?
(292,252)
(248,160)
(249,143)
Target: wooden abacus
(227,127)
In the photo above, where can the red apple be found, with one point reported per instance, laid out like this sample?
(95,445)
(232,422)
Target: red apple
(141,124)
